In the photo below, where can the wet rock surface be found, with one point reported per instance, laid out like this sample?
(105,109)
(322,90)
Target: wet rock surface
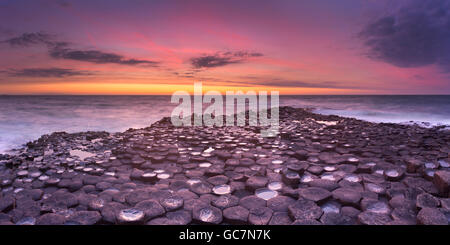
(318,170)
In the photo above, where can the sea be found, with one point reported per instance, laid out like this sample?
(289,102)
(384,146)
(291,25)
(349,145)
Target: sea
(26,118)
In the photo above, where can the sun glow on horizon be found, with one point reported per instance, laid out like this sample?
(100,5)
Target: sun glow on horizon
(152,89)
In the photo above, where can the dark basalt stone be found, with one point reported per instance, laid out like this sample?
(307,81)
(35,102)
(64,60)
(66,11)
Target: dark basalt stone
(431,216)
(103,185)
(353,185)
(160,221)
(306,222)
(136,196)
(350,211)
(6,203)
(280,218)
(315,169)
(364,168)
(445,203)
(260,216)
(399,201)
(329,185)
(64,183)
(110,210)
(51,219)
(194,173)
(250,202)
(280,203)
(159,194)
(236,215)
(190,204)
(347,196)
(177,185)
(222,155)
(297,167)
(218,180)
(246,162)
(151,208)
(412,165)
(405,215)
(304,209)
(369,218)
(426,200)
(442,181)
(136,174)
(256,182)
(232,162)
(201,188)
(91,180)
(85,217)
(180,217)
(61,199)
(291,178)
(75,185)
(186,194)
(337,219)
(5,217)
(314,194)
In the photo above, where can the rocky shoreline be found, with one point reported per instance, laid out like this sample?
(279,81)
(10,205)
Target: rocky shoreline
(318,170)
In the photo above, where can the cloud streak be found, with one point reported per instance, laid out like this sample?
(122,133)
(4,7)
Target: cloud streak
(95,56)
(62,50)
(414,36)
(301,84)
(222,59)
(28,39)
(46,72)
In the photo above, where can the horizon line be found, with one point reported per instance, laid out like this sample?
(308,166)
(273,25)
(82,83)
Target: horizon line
(222,94)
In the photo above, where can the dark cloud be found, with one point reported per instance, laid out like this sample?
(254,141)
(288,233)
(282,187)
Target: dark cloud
(95,56)
(212,61)
(47,72)
(416,35)
(28,39)
(222,59)
(184,74)
(62,50)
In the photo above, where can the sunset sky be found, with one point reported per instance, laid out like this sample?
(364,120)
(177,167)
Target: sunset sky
(158,47)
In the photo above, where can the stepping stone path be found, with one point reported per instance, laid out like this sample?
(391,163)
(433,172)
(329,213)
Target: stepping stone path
(318,170)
